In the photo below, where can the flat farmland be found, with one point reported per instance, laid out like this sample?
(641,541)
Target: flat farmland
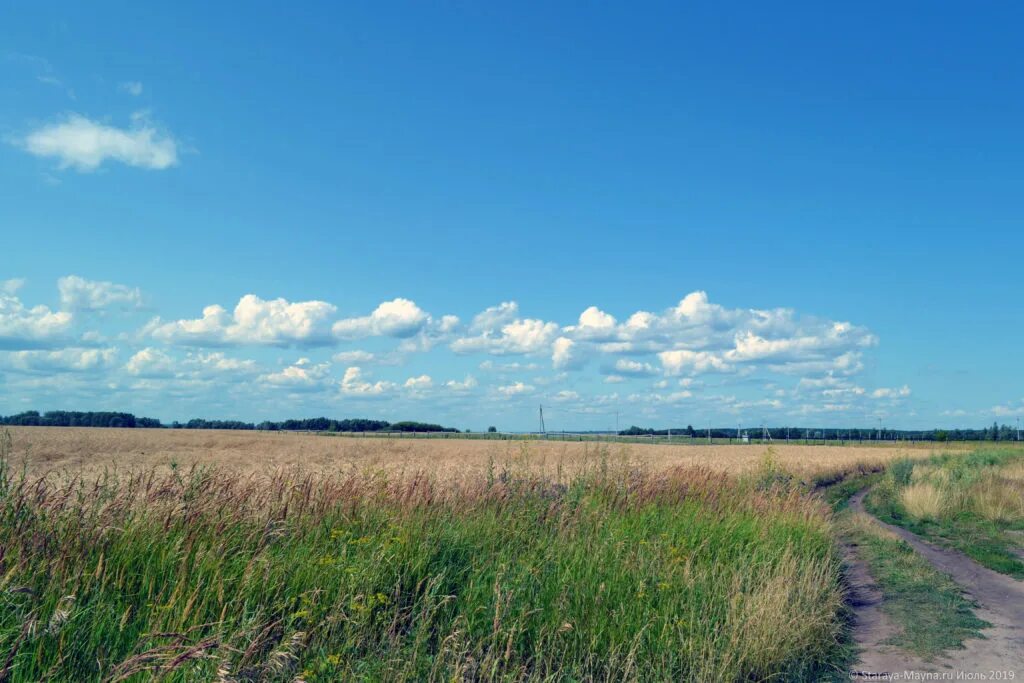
(89,451)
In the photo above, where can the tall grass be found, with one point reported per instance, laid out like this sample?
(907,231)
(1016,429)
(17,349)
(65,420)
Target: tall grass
(973,502)
(207,574)
(923,500)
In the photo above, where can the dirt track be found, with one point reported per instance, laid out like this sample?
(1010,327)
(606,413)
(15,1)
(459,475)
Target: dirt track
(1000,602)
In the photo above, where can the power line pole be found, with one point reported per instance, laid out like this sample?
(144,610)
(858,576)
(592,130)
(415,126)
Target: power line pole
(542,429)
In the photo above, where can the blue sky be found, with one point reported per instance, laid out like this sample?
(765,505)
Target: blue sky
(683,215)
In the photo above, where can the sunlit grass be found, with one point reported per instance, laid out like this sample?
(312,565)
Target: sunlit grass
(611,574)
(971,502)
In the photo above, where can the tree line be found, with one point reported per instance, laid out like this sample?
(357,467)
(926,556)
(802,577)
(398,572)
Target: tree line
(996,432)
(67,418)
(70,418)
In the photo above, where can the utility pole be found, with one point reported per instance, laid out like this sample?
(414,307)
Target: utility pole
(709,434)
(542,429)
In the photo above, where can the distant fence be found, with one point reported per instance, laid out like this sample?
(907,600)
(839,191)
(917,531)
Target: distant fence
(675,439)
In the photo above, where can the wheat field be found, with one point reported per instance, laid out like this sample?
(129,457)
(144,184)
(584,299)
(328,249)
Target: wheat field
(85,451)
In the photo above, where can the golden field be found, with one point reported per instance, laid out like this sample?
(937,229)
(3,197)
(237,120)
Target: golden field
(86,451)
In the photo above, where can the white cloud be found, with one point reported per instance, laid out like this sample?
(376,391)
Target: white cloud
(156,363)
(1008,410)
(218,363)
(303,375)
(614,379)
(514,366)
(11,286)
(396,318)
(698,336)
(418,387)
(133,88)
(566,395)
(885,392)
(151,362)
(633,368)
(684,360)
(464,386)
(354,384)
(254,321)
(79,294)
(28,328)
(593,324)
(561,353)
(421,383)
(516,389)
(80,143)
(498,330)
(62,360)
(354,357)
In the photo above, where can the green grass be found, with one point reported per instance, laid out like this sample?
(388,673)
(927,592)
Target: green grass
(205,575)
(990,542)
(926,605)
(838,494)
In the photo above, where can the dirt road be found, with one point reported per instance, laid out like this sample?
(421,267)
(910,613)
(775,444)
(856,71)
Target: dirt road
(998,655)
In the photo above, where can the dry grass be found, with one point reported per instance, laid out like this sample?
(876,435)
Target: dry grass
(924,500)
(292,574)
(997,498)
(90,451)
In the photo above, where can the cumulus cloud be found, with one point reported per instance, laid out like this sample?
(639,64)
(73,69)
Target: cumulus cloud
(418,386)
(565,396)
(516,389)
(354,384)
(885,392)
(22,327)
(594,324)
(155,363)
(562,356)
(80,143)
(79,294)
(275,322)
(499,330)
(634,368)
(1009,410)
(396,318)
(697,336)
(11,286)
(303,375)
(464,386)
(684,360)
(151,362)
(62,360)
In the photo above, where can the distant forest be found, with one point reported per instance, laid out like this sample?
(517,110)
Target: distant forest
(67,418)
(994,433)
